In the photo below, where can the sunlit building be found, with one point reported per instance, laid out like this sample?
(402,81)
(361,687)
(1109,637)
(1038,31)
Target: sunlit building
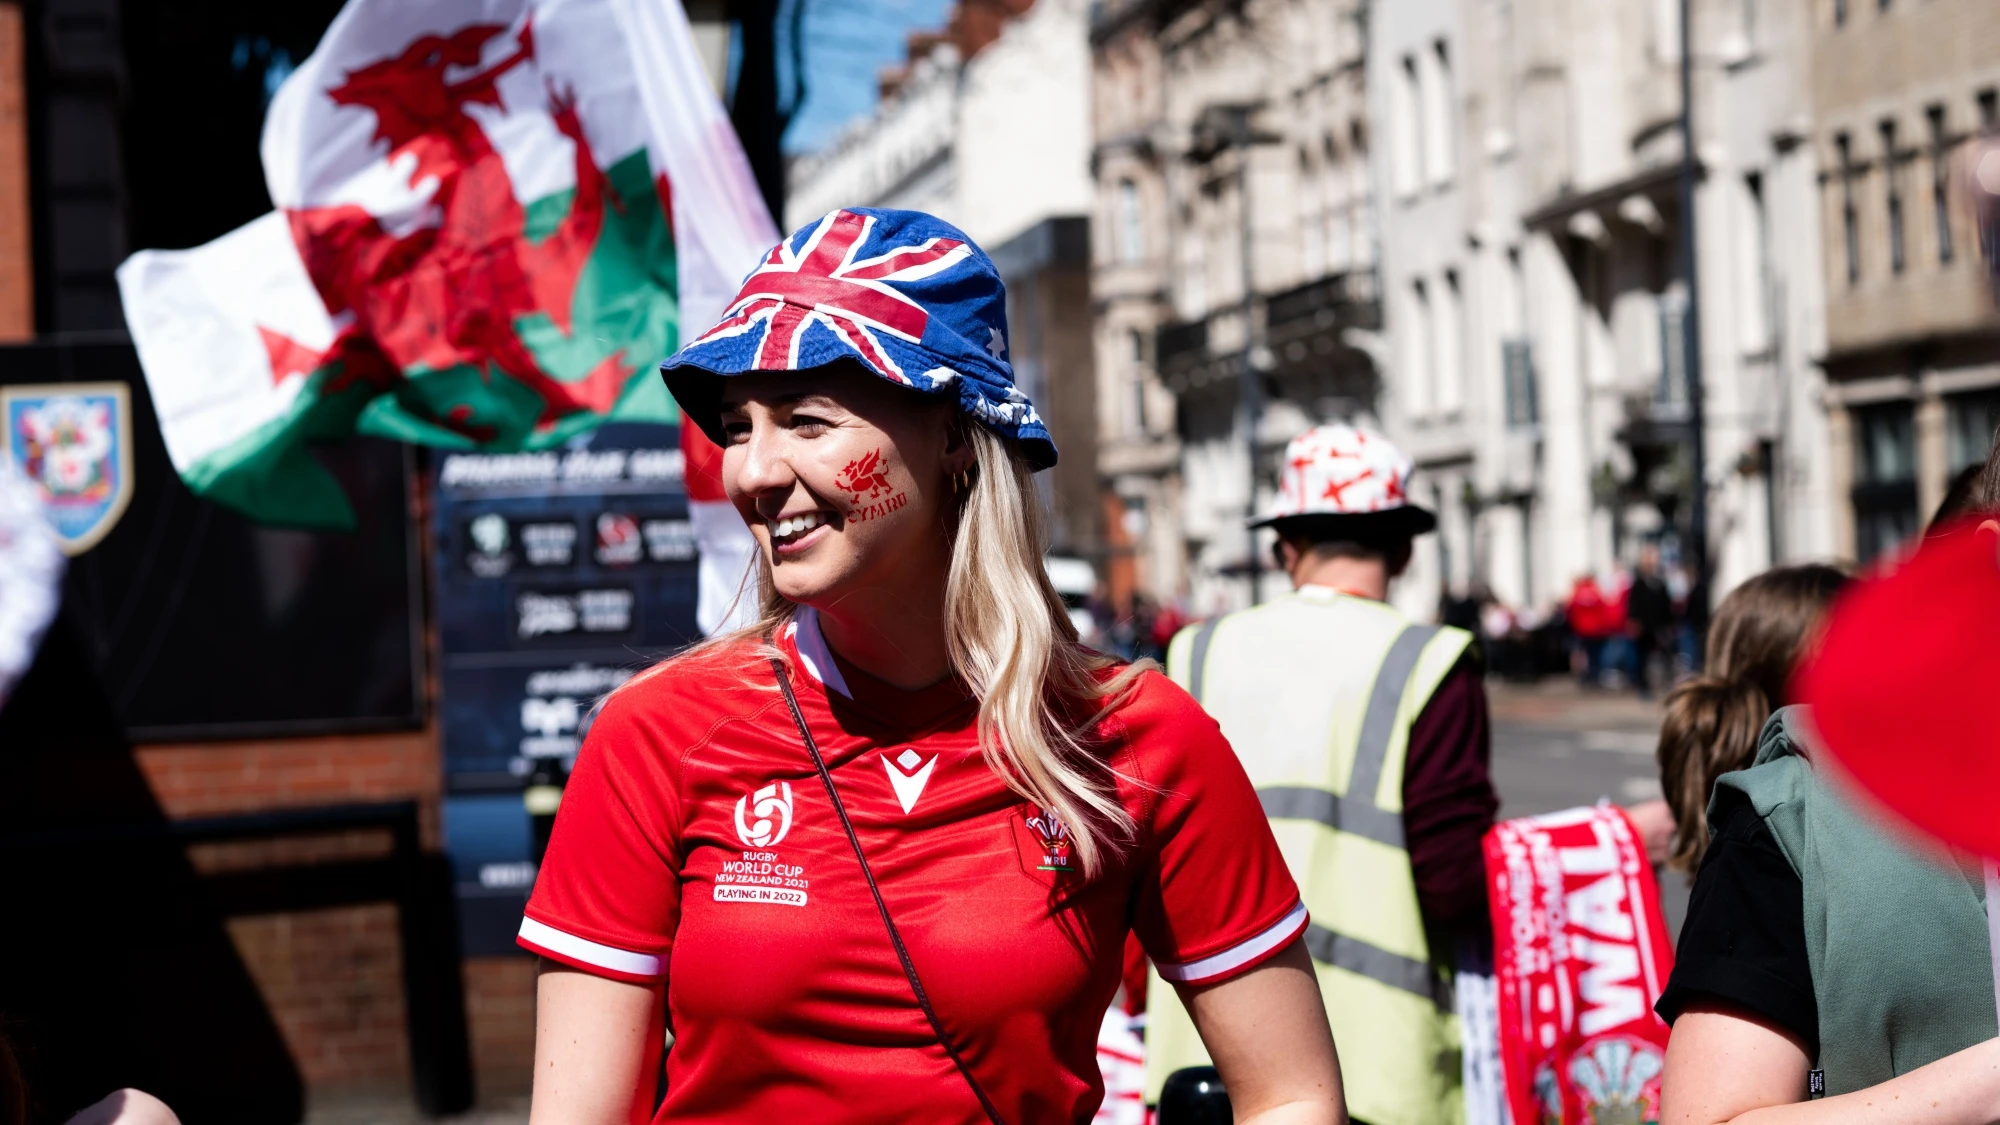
(1537,295)
(1235,234)
(1912,346)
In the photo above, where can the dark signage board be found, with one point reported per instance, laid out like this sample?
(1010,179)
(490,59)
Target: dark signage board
(202,624)
(557,576)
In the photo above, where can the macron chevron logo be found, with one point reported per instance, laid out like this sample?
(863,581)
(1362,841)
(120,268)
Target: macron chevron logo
(908,775)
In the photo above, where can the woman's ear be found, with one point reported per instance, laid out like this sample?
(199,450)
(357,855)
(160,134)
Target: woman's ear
(959,453)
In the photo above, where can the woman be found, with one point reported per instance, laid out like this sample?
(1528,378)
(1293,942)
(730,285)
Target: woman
(938,943)
(1712,719)
(1828,971)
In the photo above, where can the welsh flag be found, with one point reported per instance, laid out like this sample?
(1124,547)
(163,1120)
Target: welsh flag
(493,219)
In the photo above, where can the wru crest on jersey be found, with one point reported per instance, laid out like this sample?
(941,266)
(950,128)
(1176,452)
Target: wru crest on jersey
(763,820)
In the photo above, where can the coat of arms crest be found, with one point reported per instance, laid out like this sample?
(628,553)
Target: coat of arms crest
(73,441)
(1054,837)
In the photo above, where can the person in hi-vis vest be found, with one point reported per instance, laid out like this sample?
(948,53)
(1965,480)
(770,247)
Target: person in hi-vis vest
(1366,736)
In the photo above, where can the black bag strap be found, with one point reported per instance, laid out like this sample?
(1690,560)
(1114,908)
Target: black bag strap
(895,937)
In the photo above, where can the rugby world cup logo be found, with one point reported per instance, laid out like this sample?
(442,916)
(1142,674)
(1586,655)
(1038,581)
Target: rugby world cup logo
(772,808)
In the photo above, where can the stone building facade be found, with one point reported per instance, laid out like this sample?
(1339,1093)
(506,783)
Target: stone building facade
(1537,294)
(1461,220)
(1912,350)
(1236,241)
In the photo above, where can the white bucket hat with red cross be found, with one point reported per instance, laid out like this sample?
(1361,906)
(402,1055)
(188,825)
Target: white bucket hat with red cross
(1346,478)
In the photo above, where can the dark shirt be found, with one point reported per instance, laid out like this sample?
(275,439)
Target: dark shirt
(1448,798)
(1649,606)
(1744,942)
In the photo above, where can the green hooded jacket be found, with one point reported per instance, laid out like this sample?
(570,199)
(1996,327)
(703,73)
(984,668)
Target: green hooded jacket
(1895,931)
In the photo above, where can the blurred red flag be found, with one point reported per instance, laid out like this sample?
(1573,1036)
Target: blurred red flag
(728,592)
(1904,687)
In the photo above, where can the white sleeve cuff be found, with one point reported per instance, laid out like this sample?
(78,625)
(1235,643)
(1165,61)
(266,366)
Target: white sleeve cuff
(610,957)
(1238,955)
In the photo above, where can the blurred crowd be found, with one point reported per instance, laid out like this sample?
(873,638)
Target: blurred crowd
(1624,630)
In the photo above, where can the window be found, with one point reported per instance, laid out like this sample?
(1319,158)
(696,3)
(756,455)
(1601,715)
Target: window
(1131,229)
(1417,352)
(1894,192)
(1849,221)
(1514,296)
(1336,214)
(1439,163)
(1450,328)
(1406,108)
(1517,361)
(1670,395)
(1361,247)
(1192,292)
(1970,423)
(1885,478)
(1136,359)
(1755,259)
(1311,202)
(1940,181)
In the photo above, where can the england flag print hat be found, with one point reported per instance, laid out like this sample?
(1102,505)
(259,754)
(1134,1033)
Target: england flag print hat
(904,294)
(1339,477)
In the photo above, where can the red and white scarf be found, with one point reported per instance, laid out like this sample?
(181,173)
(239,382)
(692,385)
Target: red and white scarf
(1580,957)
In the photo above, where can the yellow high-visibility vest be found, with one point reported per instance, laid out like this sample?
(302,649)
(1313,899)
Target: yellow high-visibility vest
(1317,692)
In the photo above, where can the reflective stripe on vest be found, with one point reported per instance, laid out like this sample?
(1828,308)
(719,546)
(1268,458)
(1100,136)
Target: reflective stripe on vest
(1198,660)
(1379,965)
(1356,811)
(1361,816)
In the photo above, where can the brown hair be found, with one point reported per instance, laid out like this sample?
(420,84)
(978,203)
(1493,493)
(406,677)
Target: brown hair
(1975,490)
(1986,495)
(1712,720)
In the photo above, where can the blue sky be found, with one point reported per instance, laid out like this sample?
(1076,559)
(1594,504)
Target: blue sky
(846,42)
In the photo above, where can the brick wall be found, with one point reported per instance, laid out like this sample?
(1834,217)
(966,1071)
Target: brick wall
(333,978)
(500,1004)
(17,306)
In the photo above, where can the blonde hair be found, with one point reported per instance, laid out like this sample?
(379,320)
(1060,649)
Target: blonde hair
(1012,642)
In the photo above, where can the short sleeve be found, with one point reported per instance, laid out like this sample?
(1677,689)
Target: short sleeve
(1215,898)
(1744,942)
(607,898)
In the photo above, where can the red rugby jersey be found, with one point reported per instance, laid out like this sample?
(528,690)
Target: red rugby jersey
(696,845)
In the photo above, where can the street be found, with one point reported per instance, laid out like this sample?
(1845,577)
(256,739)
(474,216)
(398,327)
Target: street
(1556,746)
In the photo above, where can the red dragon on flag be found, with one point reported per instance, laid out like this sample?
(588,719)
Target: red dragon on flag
(449,294)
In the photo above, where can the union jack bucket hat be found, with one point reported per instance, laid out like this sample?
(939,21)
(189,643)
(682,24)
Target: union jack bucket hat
(1339,477)
(904,294)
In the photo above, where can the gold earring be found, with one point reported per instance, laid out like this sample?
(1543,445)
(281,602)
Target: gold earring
(960,481)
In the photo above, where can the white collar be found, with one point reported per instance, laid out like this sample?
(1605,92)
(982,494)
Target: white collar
(813,652)
(1328,593)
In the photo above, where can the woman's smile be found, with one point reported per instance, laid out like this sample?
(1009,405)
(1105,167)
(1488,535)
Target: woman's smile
(799,531)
